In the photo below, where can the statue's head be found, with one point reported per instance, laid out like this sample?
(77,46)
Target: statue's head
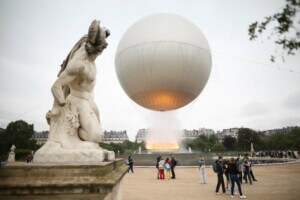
(96,38)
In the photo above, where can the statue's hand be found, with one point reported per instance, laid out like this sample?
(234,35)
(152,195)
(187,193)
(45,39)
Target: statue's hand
(62,103)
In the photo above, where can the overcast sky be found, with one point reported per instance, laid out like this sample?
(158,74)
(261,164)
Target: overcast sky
(244,89)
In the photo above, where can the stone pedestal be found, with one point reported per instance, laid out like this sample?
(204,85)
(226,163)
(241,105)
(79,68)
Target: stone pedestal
(61,182)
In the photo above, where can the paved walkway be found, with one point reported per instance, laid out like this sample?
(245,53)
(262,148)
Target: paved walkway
(276,182)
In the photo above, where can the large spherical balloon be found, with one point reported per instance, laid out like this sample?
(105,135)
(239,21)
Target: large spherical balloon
(163,62)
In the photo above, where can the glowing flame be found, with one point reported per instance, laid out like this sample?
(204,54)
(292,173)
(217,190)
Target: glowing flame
(163,146)
(162,100)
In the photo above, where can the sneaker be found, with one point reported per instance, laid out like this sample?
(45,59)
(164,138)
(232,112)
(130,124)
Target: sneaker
(232,196)
(254,180)
(243,197)
(217,193)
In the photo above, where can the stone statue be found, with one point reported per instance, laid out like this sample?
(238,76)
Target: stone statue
(252,149)
(75,129)
(11,155)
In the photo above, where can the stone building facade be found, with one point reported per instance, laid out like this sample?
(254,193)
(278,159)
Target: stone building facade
(41,137)
(115,136)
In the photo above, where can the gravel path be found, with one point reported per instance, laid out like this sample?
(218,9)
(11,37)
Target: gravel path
(276,182)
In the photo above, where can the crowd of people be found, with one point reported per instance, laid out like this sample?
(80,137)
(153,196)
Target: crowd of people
(276,154)
(235,171)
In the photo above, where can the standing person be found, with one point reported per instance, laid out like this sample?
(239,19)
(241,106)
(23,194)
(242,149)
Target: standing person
(225,167)
(246,166)
(240,168)
(157,161)
(233,174)
(130,163)
(161,168)
(251,172)
(219,171)
(167,167)
(202,170)
(174,163)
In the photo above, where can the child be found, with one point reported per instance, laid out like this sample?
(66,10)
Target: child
(161,169)
(167,167)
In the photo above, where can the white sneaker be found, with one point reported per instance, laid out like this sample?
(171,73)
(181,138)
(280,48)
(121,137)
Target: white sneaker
(232,196)
(243,197)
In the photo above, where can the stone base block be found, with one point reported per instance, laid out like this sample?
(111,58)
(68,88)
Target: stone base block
(74,182)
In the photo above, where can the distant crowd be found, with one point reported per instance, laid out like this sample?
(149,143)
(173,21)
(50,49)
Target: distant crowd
(276,154)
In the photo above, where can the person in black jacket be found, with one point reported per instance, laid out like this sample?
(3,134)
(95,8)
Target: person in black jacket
(233,174)
(157,161)
(174,163)
(219,166)
(130,163)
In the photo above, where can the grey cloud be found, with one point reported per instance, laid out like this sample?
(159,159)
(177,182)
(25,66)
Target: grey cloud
(293,100)
(254,108)
(289,121)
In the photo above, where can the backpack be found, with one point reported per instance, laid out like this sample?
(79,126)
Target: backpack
(167,166)
(175,162)
(215,168)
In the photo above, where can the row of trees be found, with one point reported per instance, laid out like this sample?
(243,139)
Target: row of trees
(204,143)
(20,133)
(246,136)
(127,147)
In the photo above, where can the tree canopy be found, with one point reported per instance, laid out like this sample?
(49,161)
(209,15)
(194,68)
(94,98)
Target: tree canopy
(285,32)
(18,133)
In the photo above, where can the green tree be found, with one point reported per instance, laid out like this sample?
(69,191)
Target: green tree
(218,148)
(283,141)
(212,140)
(199,143)
(20,134)
(287,35)
(247,136)
(229,142)
(277,141)
(125,147)
(294,138)
(187,143)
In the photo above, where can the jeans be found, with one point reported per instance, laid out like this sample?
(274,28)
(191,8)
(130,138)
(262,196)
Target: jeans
(234,178)
(252,175)
(240,175)
(130,168)
(173,172)
(220,181)
(247,175)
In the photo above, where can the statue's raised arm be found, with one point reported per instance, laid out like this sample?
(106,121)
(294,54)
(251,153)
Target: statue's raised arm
(75,128)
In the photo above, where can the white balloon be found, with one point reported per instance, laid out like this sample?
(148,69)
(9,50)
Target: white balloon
(163,62)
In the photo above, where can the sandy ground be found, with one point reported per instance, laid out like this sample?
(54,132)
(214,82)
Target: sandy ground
(280,182)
